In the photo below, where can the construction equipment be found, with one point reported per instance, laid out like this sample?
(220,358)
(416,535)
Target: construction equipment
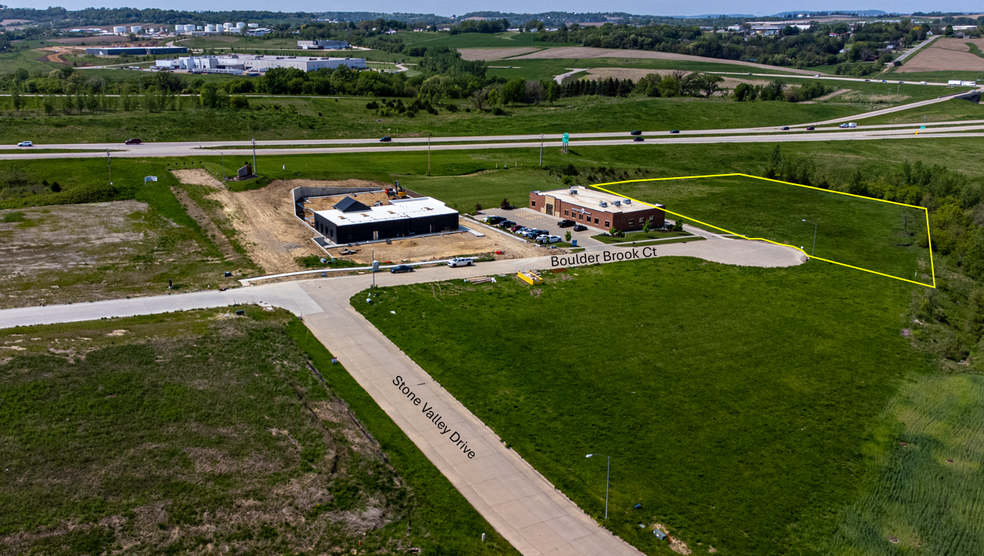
(396,191)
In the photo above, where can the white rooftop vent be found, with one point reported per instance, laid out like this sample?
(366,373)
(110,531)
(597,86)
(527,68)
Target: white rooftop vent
(573,191)
(617,203)
(627,201)
(603,204)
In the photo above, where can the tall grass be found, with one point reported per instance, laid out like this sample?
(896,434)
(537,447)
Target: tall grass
(925,492)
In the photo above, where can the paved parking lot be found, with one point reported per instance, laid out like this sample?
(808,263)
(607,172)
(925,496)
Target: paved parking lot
(533,219)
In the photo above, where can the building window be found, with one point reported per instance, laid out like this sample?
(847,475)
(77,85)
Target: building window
(565,212)
(532,203)
(580,217)
(607,225)
(650,218)
(631,222)
(596,220)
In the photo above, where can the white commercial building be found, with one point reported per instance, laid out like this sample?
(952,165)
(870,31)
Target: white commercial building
(318,45)
(235,63)
(119,30)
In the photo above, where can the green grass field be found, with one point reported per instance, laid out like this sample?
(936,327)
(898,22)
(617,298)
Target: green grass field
(315,118)
(951,110)
(735,402)
(922,494)
(866,233)
(115,436)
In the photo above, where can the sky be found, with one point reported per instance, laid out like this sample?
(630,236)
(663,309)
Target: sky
(457,7)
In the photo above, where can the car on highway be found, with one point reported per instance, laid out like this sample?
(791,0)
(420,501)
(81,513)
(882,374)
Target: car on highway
(867,81)
(636,132)
(401,268)
(810,128)
(902,82)
(922,82)
(848,125)
(785,128)
(675,131)
(386,139)
(884,81)
(460,261)
(25,144)
(580,227)
(638,139)
(548,239)
(816,75)
(132,142)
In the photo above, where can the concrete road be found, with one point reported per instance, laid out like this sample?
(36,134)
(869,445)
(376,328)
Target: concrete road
(520,503)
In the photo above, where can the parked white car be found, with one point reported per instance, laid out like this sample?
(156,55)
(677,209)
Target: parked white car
(548,239)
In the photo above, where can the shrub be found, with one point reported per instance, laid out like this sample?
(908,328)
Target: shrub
(505,205)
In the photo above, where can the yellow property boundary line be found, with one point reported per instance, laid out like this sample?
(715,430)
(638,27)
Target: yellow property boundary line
(924,209)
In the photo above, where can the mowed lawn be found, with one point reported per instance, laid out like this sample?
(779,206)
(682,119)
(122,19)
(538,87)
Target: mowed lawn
(734,402)
(867,233)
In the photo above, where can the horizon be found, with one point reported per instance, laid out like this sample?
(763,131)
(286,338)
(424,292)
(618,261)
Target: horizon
(448,9)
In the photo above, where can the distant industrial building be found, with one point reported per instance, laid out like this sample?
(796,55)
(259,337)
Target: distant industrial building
(134,50)
(234,63)
(119,30)
(322,45)
(350,221)
(597,209)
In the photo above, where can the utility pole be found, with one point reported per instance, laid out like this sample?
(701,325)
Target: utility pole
(541,149)
(223,166)
(254,156)
(428,153)
(109,166)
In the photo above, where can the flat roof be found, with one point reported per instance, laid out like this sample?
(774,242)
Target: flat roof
(592,199)
(398,209)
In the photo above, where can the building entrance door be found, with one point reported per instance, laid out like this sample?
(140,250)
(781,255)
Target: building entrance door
(375,234)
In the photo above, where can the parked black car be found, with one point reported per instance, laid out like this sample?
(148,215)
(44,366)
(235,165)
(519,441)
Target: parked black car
(565,223)
(580,227)
(507,224)
(493,220)
(401,268)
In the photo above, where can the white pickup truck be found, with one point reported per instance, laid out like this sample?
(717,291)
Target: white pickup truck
(849,125)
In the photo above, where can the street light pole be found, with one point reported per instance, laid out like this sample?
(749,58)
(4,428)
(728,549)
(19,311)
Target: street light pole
(607,479)
(109,166)
(541,149)
(254,156)
(223,167)
(814,251)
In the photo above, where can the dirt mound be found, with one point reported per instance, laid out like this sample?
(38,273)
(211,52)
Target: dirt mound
(196,176)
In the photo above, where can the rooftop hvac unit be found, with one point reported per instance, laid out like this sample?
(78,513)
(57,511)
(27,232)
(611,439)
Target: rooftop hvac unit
(603,204)
(617,203)
(573,191)
(627,201)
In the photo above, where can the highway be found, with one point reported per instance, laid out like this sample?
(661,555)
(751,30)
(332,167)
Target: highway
(770,134)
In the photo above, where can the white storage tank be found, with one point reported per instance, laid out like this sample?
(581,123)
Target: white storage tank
(136,29)
(241,25)
(253,25)
(226,26)
(119,30)
(210,28)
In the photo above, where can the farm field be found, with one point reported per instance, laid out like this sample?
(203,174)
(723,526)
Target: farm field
(946,54)
(748,447)
(117,437)
(867,233)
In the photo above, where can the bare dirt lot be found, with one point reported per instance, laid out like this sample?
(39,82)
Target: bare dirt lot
(586,52)
(443,247)
(56,53)
(60,254)
(946,55)
(473,54)
(327,203)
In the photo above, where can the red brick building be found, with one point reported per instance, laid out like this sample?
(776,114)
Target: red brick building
(596,209)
